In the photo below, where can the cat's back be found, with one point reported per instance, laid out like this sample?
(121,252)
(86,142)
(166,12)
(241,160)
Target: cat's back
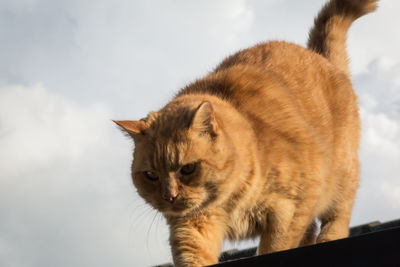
(302,72)
(274,55)
(283,85)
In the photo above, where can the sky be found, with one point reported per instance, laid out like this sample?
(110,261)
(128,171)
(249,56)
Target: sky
(68,67)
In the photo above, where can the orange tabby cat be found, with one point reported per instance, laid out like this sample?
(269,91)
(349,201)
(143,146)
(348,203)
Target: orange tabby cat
(262,146)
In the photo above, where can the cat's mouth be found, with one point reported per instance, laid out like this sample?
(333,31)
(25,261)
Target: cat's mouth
(184,206)
(179,207)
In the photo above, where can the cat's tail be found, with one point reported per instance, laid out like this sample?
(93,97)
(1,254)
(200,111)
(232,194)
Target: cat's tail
(328,35)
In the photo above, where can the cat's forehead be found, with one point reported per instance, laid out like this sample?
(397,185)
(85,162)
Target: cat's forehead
(171,123)
(167,141)
(162,154)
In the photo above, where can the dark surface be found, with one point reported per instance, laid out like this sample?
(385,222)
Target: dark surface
(380,248)
(371,244)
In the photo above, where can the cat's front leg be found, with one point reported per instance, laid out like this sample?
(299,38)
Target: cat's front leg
(196,241)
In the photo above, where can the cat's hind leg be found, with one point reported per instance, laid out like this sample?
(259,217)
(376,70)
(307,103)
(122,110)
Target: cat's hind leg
(334,225)
(286,227)
(310,236)
(335,221)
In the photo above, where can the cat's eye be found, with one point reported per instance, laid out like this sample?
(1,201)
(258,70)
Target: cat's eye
(188,169)
(152,176)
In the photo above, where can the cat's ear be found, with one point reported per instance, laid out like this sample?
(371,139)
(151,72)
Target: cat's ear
(133,128)
(204,121)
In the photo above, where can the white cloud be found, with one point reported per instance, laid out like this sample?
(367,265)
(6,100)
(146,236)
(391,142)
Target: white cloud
(378,90)
(66,197)
(375,36)
(122,52)
(39,128)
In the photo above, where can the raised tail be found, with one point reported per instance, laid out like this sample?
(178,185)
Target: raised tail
(328,35)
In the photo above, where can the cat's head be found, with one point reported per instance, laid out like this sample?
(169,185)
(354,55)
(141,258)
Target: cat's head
(180,158)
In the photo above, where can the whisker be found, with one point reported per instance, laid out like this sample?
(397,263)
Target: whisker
(138,219)
(148,231)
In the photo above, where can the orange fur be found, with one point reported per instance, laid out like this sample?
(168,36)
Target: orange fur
(262,146)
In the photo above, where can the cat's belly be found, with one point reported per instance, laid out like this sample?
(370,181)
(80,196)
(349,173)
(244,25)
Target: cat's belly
(244,224)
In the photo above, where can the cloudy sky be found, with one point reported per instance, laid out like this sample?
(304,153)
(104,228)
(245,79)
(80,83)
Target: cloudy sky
(68,67)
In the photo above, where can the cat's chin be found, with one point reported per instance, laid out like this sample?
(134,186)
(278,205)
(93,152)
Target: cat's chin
(182,213)
(178,210)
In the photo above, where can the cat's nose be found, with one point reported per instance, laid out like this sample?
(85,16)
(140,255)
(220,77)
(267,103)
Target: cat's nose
(170,197)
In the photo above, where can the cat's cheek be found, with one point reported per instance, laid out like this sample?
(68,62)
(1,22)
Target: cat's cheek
(198,200)
(157,203)
(148,191)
